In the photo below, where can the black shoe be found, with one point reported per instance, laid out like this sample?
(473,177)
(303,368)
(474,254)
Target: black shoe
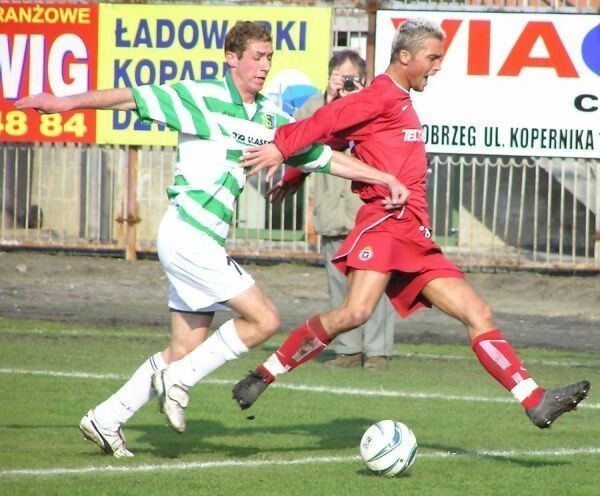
(556,402)
(247,390)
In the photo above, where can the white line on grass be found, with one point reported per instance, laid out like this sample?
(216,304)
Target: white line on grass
(297,461)
(345,391)
(58,373)
(161,335)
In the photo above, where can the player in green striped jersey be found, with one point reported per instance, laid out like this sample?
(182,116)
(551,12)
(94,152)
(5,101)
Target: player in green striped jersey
(216,121)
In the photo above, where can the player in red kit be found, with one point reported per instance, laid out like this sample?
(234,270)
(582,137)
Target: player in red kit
(392,251)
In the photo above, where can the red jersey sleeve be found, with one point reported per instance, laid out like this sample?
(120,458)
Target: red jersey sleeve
(341,119)
(293,174)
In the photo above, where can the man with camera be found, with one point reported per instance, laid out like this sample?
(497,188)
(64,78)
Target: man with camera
(335,207)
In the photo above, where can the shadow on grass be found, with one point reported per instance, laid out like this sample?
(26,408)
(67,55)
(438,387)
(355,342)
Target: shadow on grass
(454,451)
(221,440)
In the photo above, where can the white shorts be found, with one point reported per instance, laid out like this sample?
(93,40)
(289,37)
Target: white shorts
(201,276)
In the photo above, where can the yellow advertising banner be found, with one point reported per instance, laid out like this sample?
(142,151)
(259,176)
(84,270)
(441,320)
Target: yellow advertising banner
(162,44)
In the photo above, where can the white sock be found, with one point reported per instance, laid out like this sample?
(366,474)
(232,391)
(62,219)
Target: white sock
(274,366)
(222,346)
(523,389)
(132,395)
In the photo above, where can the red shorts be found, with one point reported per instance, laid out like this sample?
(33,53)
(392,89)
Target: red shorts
(401,246)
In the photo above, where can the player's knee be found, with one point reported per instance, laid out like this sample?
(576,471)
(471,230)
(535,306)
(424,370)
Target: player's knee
(357,316)
(481,316)
(270,323)
(487,313)
(175,352)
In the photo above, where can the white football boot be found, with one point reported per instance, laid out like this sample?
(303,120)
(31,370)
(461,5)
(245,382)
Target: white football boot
(110,442)
(172,400)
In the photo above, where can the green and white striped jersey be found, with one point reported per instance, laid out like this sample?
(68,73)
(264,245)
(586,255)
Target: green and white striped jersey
(214,129)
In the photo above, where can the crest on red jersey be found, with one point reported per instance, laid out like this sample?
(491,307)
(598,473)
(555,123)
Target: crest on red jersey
(366,253)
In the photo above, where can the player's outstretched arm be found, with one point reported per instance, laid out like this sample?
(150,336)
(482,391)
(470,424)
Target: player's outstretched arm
(46,103)
(344,165)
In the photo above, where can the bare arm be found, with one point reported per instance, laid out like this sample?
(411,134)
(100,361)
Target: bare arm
(344,165)
(46,103)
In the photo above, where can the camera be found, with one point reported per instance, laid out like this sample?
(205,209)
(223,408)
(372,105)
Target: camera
(350,83)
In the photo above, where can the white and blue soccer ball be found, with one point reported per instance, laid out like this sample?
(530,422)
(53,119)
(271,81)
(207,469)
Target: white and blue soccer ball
(388,448)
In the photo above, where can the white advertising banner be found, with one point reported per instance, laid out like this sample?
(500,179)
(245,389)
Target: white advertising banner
(524,84)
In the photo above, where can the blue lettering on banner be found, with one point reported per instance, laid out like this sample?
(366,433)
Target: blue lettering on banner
(187,34)
(130,73)
(122,120)
(282,34)
(164,33)
(145,72)
(214,35)
(120,31)
(142,37)
(168,72)
(302,36)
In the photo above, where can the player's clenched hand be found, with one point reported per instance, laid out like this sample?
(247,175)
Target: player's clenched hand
(282,188)
(265,156)
(398,196)
(44,103)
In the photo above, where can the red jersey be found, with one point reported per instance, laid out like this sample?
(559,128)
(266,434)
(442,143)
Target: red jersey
(387,135)
(386,132)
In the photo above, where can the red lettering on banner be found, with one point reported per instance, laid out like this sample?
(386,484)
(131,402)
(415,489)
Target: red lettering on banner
(478,62)
(396,21)
(480,46)
(520,56)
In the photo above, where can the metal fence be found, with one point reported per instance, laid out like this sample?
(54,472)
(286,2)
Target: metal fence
(486,211)
(517,212)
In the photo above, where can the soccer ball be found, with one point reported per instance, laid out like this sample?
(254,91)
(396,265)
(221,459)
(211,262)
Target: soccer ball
(388,448)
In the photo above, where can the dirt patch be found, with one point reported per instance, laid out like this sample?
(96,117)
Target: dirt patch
(532,309)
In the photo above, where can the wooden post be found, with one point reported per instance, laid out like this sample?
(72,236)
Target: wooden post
(132,218)
(311,234)
(371,9)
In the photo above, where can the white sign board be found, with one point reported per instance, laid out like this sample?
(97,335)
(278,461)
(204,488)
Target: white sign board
(510,84)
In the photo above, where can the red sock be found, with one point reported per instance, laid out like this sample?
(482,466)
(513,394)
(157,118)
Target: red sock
(302,345)
(501,361)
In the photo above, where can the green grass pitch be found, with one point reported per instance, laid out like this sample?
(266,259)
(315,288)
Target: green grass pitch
(473,438)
